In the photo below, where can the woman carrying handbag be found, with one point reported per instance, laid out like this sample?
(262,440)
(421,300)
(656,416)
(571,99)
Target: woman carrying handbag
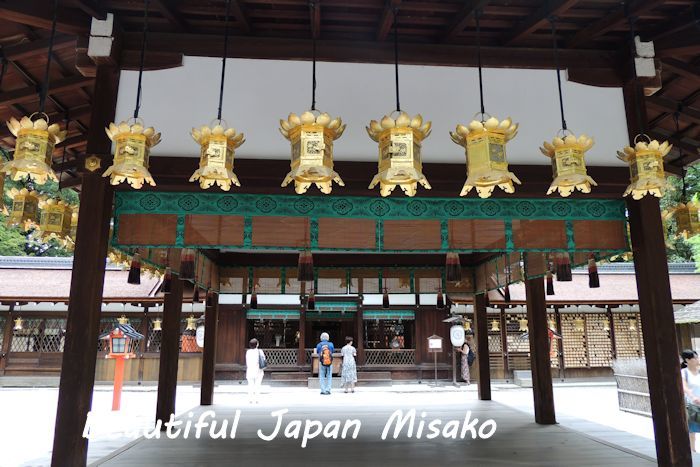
(255,364)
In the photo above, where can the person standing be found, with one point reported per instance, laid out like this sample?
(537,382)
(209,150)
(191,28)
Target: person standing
(468,357)
(348,374)
(254,361)
(691,388)
(324,350)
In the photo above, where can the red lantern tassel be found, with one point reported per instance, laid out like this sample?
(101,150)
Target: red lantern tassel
(311,302)
(593,278)
(440,300)
(305,270)
(135,270)
(550,283)
(187,265)
(167,281)
(254,300)
(506,294)
(565,268)
(210,298)
(385,299)
(453,268)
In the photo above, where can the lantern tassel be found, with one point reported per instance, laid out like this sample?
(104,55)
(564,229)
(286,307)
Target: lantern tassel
(305,271)
(550,283)
(453,268)
(135,270)
(195,295)
(506,294)
(167,281)
(254,300)
(311,303)
(593,278)
(210,298)
(440,300)
(385,298)
(563,268)
(187,265)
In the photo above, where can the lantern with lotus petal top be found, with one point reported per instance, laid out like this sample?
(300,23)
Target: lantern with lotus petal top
(687,216)
(646,163)
(55,218)
(131,154)
(36,140)
(400,161)
(312,139)
(218,145)
(25,208)
(569,164)
(485,148)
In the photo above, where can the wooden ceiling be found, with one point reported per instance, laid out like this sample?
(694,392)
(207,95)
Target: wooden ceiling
(593,36)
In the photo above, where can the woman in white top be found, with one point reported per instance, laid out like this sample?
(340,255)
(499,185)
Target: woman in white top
(254,374)
(691,388)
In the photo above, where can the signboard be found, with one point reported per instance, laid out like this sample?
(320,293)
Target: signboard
(434,344)
(457,335)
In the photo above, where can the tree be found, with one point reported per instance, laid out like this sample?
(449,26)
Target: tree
(679,249)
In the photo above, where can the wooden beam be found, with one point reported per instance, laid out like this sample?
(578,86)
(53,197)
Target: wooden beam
(241,16)
(539,18)
(73,142)
(169,348)
(38,47)
(61,85)
(481,326)
(94,8)
(681,68)
(211,320)
(659,332)
(612,21)
(87,279)
(286,48)
(387,19)
(671,106)
(539,352)
(460,20)
(38,13)
(75,113)
(170,13)
(678,45)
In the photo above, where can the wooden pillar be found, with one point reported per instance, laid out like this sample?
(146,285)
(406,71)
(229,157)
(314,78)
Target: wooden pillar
(560,342)
(87,279)
(211,320)
(611,324)
(360,333)
(539,351)
(504,342)
(169,350)
(481,326)
(301,352)
(658,332)
(6,340)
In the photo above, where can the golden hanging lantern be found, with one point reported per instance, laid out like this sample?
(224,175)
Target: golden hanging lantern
(312,139)
(3,209)
(34,147)
(19,324)
(157,324)
(579,324)
(495,325)
(73,224)
(123,320)
(646,165)
(218,145)
(25,208)
(687,216)
(55,218)
(485,148)
(133,146)
(399,153)
(569,164)
(467,325)
(522,325)
(191,324)
(632,324)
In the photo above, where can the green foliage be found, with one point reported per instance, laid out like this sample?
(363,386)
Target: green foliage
(12,242)
(680,249)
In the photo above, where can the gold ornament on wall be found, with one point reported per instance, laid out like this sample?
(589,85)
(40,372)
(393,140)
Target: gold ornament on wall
(312,139)
(646,163)
(569,164)
(24,209)
(218,145)
(34,147)
(131,154)
(400,163)
(485,148)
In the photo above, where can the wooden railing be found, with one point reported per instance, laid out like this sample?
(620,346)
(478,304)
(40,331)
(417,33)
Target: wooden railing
(281,357)
(389,357)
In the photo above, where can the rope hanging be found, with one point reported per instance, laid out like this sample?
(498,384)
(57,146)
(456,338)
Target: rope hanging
(676,118)
(552,20)
(312,5)
(47,77)
(143,55)
(396,56)
(223,59)
(477,17)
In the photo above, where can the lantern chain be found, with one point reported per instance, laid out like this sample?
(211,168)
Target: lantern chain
(631,20)
(223,58)
(553,22)
(143,55)
(47,76)
(312,5)
(477,17)
(676,119)
(396,56)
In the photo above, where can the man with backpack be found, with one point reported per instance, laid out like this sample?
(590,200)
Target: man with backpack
(324,350)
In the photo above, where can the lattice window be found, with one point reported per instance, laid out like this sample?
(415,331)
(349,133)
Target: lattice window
(390,357)
(106,325)
(628,335)
(153,337)
(516,340)
(518,361)
(275,333)
(281,357)
(52,336)
(495,343)
(573,329)
(599,343)
(27,338)
(307,355)
(3,321)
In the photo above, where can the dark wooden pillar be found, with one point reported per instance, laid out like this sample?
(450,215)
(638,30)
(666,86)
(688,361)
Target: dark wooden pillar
(539,351)
(481,325)
(360,333)
(87,279)
(7,339)
(504,342)
(560,342)
(169,351)
(659,334)
(301,352)
(211,320)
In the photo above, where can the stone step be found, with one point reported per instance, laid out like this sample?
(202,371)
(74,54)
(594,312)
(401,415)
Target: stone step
(374,375)
(286,375)
(313,383)
(522,378)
